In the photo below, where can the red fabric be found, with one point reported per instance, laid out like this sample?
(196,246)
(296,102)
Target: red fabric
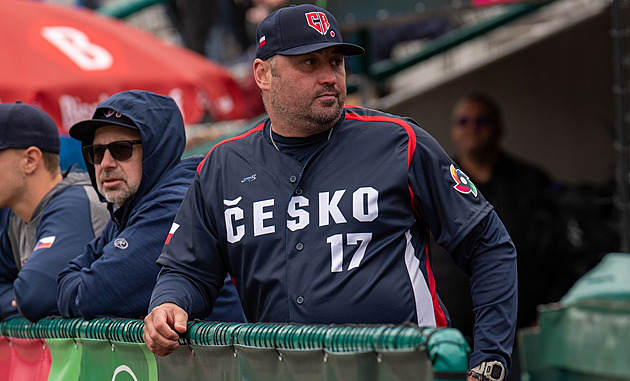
(24,359)
(103,57)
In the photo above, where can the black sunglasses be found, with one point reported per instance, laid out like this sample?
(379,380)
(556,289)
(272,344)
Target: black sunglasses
(481,121)
(120,150)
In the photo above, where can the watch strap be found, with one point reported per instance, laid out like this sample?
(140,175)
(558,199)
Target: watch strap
(476,376)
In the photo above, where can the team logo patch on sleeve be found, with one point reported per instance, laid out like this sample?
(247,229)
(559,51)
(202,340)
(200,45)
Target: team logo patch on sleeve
(174,228)
(45,242)
(462,182)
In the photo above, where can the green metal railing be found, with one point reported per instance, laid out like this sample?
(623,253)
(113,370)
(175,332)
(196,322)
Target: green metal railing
(445,348)
(334,338)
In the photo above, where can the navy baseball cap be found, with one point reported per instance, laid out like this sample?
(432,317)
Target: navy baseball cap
(300,29)
(23,126)
(103,116)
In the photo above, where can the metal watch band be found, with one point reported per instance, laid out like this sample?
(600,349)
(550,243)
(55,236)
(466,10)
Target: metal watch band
(490,370)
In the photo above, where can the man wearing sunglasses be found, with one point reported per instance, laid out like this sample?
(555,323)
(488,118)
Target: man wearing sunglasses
(132,147)
(49,215)
(521,195)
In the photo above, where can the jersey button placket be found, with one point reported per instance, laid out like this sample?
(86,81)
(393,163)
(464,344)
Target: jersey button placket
(299,246)
(298,191)
(293,179)
(300,300)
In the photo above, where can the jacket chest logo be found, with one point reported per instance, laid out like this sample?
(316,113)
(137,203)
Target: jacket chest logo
(121,243)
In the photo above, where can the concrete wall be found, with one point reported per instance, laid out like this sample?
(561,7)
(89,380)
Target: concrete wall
(556,98)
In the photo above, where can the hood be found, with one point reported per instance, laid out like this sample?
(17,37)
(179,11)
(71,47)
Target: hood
(162,132)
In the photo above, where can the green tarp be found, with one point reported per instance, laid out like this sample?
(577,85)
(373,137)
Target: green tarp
(586,336)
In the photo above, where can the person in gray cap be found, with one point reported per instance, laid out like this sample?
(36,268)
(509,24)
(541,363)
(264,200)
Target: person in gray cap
(53,214)
(323,212)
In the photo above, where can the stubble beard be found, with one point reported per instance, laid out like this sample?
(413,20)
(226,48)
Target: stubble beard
(332,111)
(309,117)
(117,194)
(312,118)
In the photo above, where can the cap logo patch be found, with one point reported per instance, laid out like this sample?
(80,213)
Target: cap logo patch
(462,182)
(262,42)
(109,112)
(319,22)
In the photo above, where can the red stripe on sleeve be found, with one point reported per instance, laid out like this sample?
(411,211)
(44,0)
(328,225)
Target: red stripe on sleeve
(241,136)
(440,316)
(411,144)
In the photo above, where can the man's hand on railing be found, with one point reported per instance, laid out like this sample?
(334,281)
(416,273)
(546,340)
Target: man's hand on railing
(162,328)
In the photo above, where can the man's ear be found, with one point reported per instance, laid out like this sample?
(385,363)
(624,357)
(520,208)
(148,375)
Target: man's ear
(32,158)
(262,73)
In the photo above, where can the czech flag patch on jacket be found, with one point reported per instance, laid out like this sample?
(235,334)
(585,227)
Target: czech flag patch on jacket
(45,243)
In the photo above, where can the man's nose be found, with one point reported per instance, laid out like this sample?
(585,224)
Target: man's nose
(108,160)
(328,74)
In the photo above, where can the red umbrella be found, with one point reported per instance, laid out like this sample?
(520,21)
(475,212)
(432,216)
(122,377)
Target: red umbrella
(66,60)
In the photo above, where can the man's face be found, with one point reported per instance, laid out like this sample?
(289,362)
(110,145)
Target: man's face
(118,180)
(473,131)
(11,177)
(309,88)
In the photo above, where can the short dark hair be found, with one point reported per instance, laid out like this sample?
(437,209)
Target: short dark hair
(51,162)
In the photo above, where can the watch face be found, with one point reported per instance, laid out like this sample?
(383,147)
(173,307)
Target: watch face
(497,371)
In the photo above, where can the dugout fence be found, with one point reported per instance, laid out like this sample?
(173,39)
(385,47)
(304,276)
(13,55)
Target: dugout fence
(112,349)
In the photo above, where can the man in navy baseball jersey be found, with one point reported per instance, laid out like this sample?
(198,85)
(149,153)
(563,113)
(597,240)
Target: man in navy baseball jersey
(322,212)
(132,147)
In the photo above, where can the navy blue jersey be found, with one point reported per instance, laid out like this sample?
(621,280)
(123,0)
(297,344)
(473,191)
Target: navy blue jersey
(342,238)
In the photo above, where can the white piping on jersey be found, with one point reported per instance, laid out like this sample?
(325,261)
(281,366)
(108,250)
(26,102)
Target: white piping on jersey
(421,293)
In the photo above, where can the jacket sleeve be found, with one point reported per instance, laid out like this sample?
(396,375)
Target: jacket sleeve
(63,230)
(115,278)
(69,278)
(465,224)
(8,270)
(191,276)
(490,256)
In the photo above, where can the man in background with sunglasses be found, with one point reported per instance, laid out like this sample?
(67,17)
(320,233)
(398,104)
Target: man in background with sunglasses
(132,148)
(52,215)
(522,197)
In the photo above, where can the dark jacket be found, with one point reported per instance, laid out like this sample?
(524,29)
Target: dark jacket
(8,269)
(116,273)
(68,217)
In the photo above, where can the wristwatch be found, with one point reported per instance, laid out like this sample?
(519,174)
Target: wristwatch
(491,370)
